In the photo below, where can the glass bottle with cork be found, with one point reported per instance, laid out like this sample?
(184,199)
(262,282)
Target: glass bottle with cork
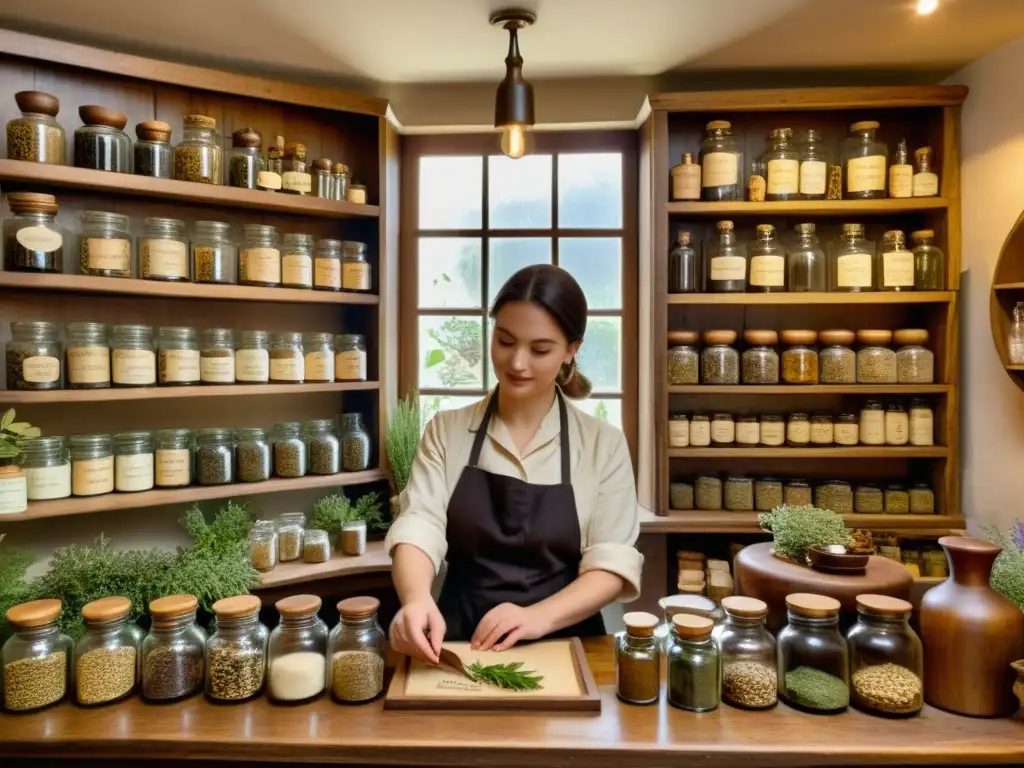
(106,657)
(297,651)
(721,161)
(153,149)
(296,178)
(245,160)
(323,178)
(638,659)
(357,651)
(682,266)
(341,181)
(36,658)
(767,262)
(748,654)
(172,652)
(850,261)
(782,166)
(864,158)
(806,266)
(901,172)
(929,262)
(686,179)
(895,266)
(813,167)
(33,241)
(101,143)
(198,156)
(813,661)
(926,181)
(236,652)
(269,179)
(694,664)
(727,261)
(886,658)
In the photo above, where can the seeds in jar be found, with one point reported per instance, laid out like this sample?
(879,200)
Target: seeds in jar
(214,467)
(708,493)
(324,455)
(262,556)
(682,368)
(105,674)
(749,684)
(355,454)
(838,367)
(106,258)
(253,462)
(171,673)
(767,494)
(720,367)
(876,366)
(888,688)
(236,671)
(815,689)
(680,496)
(41,144)
(922,500)
(35,682)
(289,459)
(834,496)
(30,371)
(739,495)
(356,675)
(289,543)
(189,166)
(897,501)
(867,500)
(796,495)
(315,552)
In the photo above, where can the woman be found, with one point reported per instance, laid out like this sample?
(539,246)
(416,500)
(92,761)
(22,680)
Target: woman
(530,500)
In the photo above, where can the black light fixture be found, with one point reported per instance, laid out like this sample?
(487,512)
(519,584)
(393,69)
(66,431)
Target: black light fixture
(513,106)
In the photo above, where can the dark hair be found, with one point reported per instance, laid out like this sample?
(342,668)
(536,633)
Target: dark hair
(557,292)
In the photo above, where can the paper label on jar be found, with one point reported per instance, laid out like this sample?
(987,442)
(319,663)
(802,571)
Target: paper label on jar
(13,495)
(179,365)
(686,182)
(700,433)
(350,365)
(319,366)
(896,429)
(297,269)
(866,174)
(296,181)
(268,180)
(773,433)
(286,368)
(90,477)
(898,269)
(327,273)
(217,370)
(39,239)
(821,434)
(261,265)
(48,482)
(164,258)
(783,177)
(88,365)
(798,432)
(854,270)
(355,276)
(41,370)
(252,365)
(922,427)
(846,434)
(768,271)
(134,366)
(813,176)
(172,467)
(133,472)
(719,169)
(926,185)
(748,433)
(728,268)
(356,196)
(109,255)
(723,432)
(872,428)
(901,181)
(678,433)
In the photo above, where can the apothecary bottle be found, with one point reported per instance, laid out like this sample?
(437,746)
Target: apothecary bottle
(324,447)
(92,465)
(897,424)
(318,349)
(813,167)
(846,429)
(236,652)
(760,362)
(252,358)
(895,266)
(132,356)
(290,450)
(813,661)
(720,362)
(173,464)
(926,181)
(245,160)
(805,262)
(748,654)
(871,426)
(727,261)
(355,443)
(694,664)
(686,179)
(88,356)
(353,538)
(269,179)
(798,430)
(341,182)
(215,456)
(36,657)
(296,179)
(217,356)
(297,651)
(252,455)
(678,430)
(738,493)
(822,429)
(897,500)
(767,262)
(929,262)
(33,241)
(901,173)
(134,463)
(682,266)
(198,156)
(720,161)
(850,261)
(773,430)
(350,357)
(263,546)
(867,500)
(297,261)
(173,651)
(921,499)
(638,659)
(163,251)
(876,362)
(748,431)
(35,357)
(837,362)
(358,649)
(864,160)
(259,261)
(327,265)
(101,144)
(287,363)
(355,269)
(323,178)
(797,493)
(922,423)
(767,496)
(153,149)
(799,357)
(178,364)
(105,245)
(1015,336)
(700,430)
(886,658)
(214,254)
(915,363)
(723,429)
(36,136)
(782,166)
(106,667)
(46,463)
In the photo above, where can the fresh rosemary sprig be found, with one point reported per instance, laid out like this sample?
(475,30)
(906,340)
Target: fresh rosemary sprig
(510,676)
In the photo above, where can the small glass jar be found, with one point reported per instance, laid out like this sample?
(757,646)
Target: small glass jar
(215,456)
(46,463)
(721,160)
(133,462)
(132,356)
(252,455)
(245,160)
(173,651)
(837,362)
(871,427)
(921,499)
(35,357)
(356,274)
(738,493)
(767,262)
(105,245)
(638,659)
(101,144)
(358,649)
(36,136)
(868,500)
(694,664)
(897,425)
(179,360)
(678,430)
(680,496)
(290,454)
(798,430)
(720,362)
(767,494)
(921,423)
(163,251)
(297,261)
(153,149)
(341,182)
(173,464)
(36,658)
(107,655)
(708,493)
(356,194)
(33,241)
(864,161)
(700,430)
(760,360)
(846,430)
(214,254)
(236,652)
(895,265)
(324,447)
(287,362)
(723,429)
(252,358)
(353,538)
(876,362)
(297,651)
(835,495)
(355,443)
(915,363)
(684,359)
(782,166)
(682,263)
(726,261)
(263,547)
(290,530)
(92,465)
(929,262)
(806,267)
(296,179)
(748,654)
(897,500)
(271,180)
(327,265)
(813,167)
(217,356)
(748,431)
(259,261)
(813,660)
(799,358)
(773,430)
(316,546)
(851,261)
(797,493)
(350,361)
(886,658)
(822,429)
(323,178)
(198,156)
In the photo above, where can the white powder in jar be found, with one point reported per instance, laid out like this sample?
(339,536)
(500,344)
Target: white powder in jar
(297,676)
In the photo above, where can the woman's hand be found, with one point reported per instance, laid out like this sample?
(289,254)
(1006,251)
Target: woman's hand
(509,621)
(418,631)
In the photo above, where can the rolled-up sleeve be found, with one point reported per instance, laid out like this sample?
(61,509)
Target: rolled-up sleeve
(423,520)
(615,522)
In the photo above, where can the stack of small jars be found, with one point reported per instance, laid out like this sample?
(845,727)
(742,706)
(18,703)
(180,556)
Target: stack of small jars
(289,541)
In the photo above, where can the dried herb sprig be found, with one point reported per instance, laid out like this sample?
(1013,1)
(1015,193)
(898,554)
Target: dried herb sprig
(510,676)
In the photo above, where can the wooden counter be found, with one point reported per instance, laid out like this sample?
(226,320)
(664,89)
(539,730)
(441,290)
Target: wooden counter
(622,736)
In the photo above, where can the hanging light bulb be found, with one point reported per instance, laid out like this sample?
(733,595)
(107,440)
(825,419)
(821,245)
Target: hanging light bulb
(516,141)
(513,105)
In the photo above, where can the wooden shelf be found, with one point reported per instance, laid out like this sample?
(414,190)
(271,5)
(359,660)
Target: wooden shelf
(124,501)
(885,206)
(1009,286)
(746,522)
(11,397)
(810,389)
(772,299)
(68,177)
(374,560)
(843,452)
(133,287)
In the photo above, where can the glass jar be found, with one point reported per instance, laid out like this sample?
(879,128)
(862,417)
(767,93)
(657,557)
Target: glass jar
(638,659)
(864,159)
(868,500)
(708,492)
(886,658)
(926,181)
(694,664)
(252,358)
(901,173)
(101,144)
(323,178)
(929,262)
(327,265)
(318,349)
(767,262)
(837,362)
(799,358)
(263,546)
(813,168)
(915,363)
(252,455)
(296,179)
(897,500)
(297,651)
(876,362)
(153,149)
(897,425)
(682,265)
(835,495)
(813,661)
(356,274)
(700,430)
(341,182)
(678,430)
(236,653)
(822,429)
(290,455)
(796,493)
(747,651)
(107,655)
(197,157)
(846,430)
(178,363)
(798,430)
(723,429)
(35,357)
(805,262)
(316,546)
(259,261)
(287,363)
(92,465)
(748,431)
(214,255)
(720,362)
(767,494)
(324,447)
(782,166)
(297,261)
(851,257)
(720,161)
(105,245)
(217,356)
(215,456)
(895,266)
(133,356)
(163,251)
(173,465)
(872,423)
(133,462)
(355,443)
(245,160)
(36,657)
(773,430)
(353,538)
(33,241)
(680,496)
(290,530)
(173,651)
(350,363)
(684,359)
(685,183)
(738,494)
(727,261)
(358,649)
(921,423)
(921,499)
(36,136)
(46,463)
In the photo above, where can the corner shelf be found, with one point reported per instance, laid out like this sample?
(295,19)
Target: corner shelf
(12,397)
(374,560)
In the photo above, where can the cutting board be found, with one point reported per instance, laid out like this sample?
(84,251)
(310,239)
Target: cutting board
(568,684)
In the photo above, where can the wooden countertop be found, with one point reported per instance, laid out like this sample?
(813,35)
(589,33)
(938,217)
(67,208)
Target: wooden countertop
(622,735)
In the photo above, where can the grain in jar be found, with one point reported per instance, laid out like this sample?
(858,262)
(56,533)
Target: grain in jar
(214,253)
(796,493)
(133,462)
(198,156)
(215,456)
(876,362)
(252,358)
(327,265)
(353,538)
(921,499)
(252,455)
(897,500)
(680,496)
(173,458)
(297,651)
(105,246)
(897,425)
(837,362)
(638,659)
(798,430)
(35,357)
(708,493)
(723,429)
(36,658)
(700,430)
(846,430)
(773,431)
(720,362)
(106,657)
(172,652)
(324,447)
(33,241)
(678,430)
(358,648)
(92,465)
(835,495)
(179,359)
(350,362)
(356,273)
(316,547)
(760,361)
(163,251)
(355,443)
(318,351)
(287,362)
(46,463)
(822,429)
(868,500)
(236,653)
(88,356)
(132,356)
(748,431)
(259,261)
(35,136)
(297,261)
(217,356)
(799,358)
(872,423)
(738,494)
(922,423)
(886,658)
(263,546)
(290,454)
(915,363)
(767,494)
(683,358)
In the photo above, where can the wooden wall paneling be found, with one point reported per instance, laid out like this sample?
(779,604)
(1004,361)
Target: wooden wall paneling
(950,188)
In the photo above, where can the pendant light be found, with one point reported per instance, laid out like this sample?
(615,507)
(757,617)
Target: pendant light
(513,106)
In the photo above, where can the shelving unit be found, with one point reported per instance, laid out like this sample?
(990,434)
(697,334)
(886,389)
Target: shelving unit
(176,393)
(375,559)
(1007,290)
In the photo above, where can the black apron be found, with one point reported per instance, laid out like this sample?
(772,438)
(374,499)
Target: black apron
(510,541)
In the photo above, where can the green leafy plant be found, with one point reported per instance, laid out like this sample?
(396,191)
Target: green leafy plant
(230,526)
(401,437)
(1008,569)
(796,529)
(14,588)
(333,511)
(368,508)
(11,432)
(510,675)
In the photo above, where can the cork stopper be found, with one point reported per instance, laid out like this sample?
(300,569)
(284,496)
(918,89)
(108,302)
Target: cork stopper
(276,149)
(692,627)
(895,237)
(153,130)
(237,607)
(682,337)
(32,202)
(687,158)
(172,605)
(340,168)
(94,114)
(765,231)
(745,607)
(683,238)
(798,336)
(37,103)
(358,607)
(719,125)
(247,137)
(812,606)
(874,337)
(725,226)
(924,152)
(782,133)
(35,613)
(640,623)
(106,609)
(805,229)
(323,163)
(199,121)
(720,337)
(759,337)
(298,605)
(923,234)
(906,336)
(853,230)
(883,605)
(837,336)
(295,149)
(864,125)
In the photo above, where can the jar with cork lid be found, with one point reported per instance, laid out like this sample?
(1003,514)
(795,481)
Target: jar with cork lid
(236,652)
(767,262)
(358,649)
(915,363)
(269,180)
(683,358)
(748,654)
(106,656)
(341,181)
(837,362)
(864,161)
(806,266)
(851,258)
(782,164)
(682,266)
(297,651)
(101,143)
(895,265)
(876,361)
(886,658)
(720,161)
(153,149)
(36,136)
(296,178)
(726,261)
(686,179)
(760,362)
(33,241)
(198,156)
(323,178)
(36,658)
(813,660)
(173,651)
(35,357)
(720,362)
(694,664)
(813,167)
(799,358)
(929,262)
(245,160)
(926,181)
(638,659)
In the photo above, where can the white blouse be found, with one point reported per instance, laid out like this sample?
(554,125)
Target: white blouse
(601,475)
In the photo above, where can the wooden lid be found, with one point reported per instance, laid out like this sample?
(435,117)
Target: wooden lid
(106,609)
(94,114)
(153,130)
(922,233)
(910,336)
(761,337)
(837,336)
(237,607)
(798,337)
(716,124)
(199,121)
(864,125)
(37,102)
(874,336)
(640,623)
(719,337)
(298,605)
(32,202)
(883,605)
(812,606)
(693,627)
(172,605)
(323,163)
(745,607)
(683,337)
(247,137)
(35,613)
(358,607)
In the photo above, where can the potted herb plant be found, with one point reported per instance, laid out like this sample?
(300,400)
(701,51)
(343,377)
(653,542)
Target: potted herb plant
(13,488)
(401,437)
(797,529)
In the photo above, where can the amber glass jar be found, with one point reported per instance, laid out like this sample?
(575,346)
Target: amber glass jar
(799,358)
